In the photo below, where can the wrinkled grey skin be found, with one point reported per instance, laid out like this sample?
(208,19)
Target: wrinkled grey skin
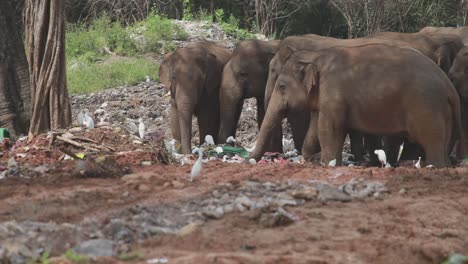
(459,76)
(244,76)
(192,75)
(369,88)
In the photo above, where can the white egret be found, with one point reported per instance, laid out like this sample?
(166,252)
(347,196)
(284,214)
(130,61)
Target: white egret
(87,120)
(141,128)
(231,140)
(209,140)
(197,166)
(418,164)
(80,118)
(381,155)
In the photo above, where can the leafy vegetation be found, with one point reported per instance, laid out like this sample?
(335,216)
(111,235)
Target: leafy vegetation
(76,258)
(86,78)
(133,256)
(43,259)
(104,39)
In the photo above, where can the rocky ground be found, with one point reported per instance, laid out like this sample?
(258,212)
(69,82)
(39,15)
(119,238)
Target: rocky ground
(106,196)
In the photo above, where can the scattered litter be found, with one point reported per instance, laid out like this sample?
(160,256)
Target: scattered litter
(157,260)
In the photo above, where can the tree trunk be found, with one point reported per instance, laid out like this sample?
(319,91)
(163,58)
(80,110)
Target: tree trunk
(45,39)
(15,94)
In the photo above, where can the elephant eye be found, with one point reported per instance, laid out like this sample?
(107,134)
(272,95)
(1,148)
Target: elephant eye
(282,87)
(243,74)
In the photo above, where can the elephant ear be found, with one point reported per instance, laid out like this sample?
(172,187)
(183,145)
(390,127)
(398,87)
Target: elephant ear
(444,59)
(311,77)
(286,52)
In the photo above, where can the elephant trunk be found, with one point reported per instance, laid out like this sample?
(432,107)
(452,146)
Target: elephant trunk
(269,91)
(185,123)
(230,109)
(271,123)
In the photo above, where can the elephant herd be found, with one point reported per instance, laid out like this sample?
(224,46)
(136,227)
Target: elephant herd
(384,90)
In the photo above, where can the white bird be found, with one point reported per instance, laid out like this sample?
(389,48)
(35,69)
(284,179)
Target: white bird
(418,164)
(231,140)
(80,118)
(87,120)
(132,127)
(346,156)
(400,151)
(99,112)
(332,163)
(381,155)
(430,166)
(197,166)
(388,165)
(209,140)
(104,105)
(288,144)
(141,128)
(148,78)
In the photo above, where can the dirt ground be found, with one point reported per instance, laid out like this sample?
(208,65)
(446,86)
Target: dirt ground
(421,218)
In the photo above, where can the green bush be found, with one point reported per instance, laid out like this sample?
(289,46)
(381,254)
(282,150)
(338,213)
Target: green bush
(159,32)
(76,258)
(103,37)
(231,26)
(86,78)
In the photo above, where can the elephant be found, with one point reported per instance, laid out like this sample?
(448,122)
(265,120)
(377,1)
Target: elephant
(315,42)
(244,76)
(440,50)
(380,89)
(459,76)
(462,32)
(192,75)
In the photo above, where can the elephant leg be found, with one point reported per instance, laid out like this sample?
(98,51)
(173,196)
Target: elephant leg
(185,124)
(208,120)
(357,144)
(299,126)
(331,136)
(175,128)
(371,143)
(311,144)
(260,111)
(275,142)
(230,110)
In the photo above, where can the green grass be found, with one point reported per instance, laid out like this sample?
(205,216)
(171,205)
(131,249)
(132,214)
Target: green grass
(91,43)
(76,258)
(88,78)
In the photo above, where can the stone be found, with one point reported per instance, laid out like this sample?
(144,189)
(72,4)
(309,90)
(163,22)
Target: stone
(189,229)
(96,248)
(214,212)
(331,193)
(308,193)
(280,218)
(403,191)
(178,184)
(243,201)
(144,188)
